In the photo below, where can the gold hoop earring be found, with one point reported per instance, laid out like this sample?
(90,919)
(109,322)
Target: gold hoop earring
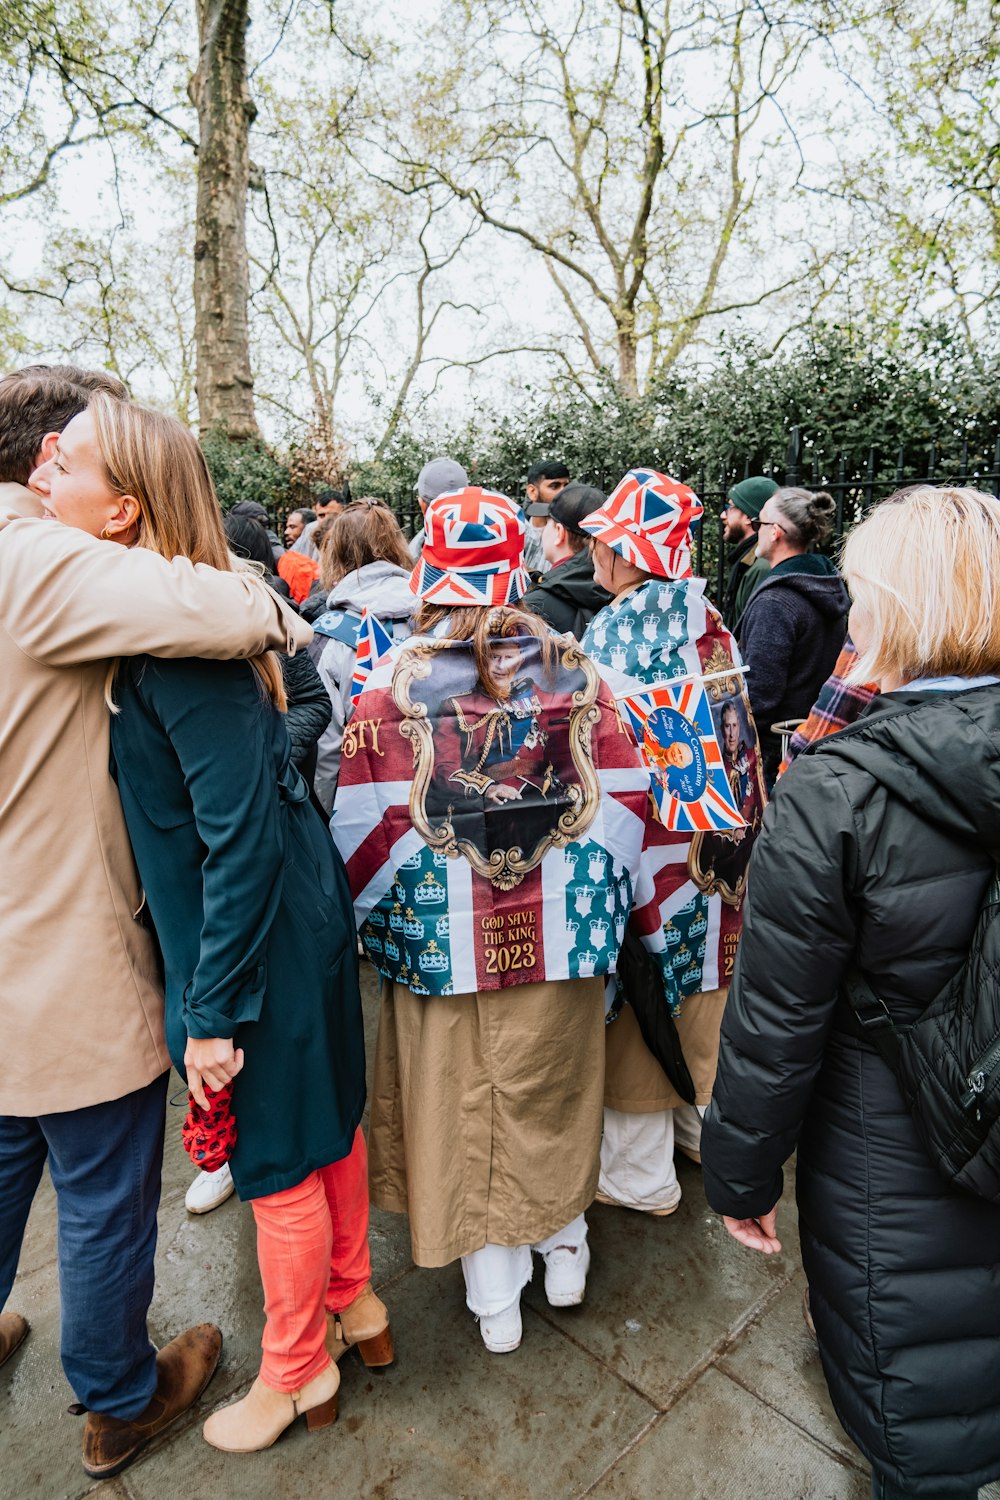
(105,536)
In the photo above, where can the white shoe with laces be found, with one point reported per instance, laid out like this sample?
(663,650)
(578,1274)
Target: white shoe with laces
(208,1190)
(502,1331)
(566,1270)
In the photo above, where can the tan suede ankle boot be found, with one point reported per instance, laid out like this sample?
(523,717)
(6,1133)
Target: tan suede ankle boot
(365,1323)
(261,1417)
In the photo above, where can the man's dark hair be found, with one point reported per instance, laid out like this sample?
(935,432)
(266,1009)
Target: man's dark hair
(308,516)
(91,380)
(41,399)
(553,469)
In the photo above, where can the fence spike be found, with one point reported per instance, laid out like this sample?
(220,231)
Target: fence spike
(794,455)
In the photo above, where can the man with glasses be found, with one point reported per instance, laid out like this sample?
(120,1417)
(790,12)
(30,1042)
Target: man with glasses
(747,569)
(792,630)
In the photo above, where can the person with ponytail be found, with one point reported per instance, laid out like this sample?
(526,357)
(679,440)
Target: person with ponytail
(252,912)
(793,628)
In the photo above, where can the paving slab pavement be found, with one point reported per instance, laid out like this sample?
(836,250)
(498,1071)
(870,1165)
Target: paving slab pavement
(687,1374)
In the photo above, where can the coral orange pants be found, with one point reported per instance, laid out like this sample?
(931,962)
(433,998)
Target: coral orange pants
(312,1246)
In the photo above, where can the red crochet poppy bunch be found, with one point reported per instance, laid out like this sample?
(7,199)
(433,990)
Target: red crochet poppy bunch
(209,1135)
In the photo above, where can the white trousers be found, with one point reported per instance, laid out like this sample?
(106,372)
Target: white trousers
(637,1155)
(496,1275)
(687,1125)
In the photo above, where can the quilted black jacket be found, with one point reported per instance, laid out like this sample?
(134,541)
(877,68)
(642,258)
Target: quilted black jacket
(877,847)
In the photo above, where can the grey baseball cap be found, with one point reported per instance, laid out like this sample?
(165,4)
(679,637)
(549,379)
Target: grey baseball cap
(440,477)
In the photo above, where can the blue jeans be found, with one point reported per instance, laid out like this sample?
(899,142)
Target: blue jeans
(105,1162)
(883,1490)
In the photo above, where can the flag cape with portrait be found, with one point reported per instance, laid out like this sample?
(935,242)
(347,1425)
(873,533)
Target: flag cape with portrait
(658,638)
(693,795)
(490,840)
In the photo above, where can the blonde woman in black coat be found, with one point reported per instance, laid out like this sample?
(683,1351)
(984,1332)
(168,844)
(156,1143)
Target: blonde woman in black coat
(876,852)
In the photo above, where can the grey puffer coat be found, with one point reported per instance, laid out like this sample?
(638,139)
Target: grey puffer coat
(876,849)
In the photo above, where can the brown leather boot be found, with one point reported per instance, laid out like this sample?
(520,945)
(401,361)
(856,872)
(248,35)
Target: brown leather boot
(13,1332)
(366,1324)
(183,1369)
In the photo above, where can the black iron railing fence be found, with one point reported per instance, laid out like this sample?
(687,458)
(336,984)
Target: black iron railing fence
(855,481)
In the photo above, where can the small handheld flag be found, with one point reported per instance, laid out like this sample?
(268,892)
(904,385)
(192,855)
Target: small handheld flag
(677,739)
(373,643)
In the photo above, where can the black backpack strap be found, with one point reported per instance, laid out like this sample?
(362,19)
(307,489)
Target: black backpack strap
(873,1023)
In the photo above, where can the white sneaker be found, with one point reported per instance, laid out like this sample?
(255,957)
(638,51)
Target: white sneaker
(502,1331)
(566,1270)
(209,1189)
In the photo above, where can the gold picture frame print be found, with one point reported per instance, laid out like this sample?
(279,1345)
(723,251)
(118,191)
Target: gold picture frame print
(503,867)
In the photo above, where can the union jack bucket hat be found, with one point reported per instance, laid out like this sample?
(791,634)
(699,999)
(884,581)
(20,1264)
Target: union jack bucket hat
(473,548)
(647,519)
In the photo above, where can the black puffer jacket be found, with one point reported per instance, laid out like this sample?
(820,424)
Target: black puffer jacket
(877,848)
(309,708)
(567,596)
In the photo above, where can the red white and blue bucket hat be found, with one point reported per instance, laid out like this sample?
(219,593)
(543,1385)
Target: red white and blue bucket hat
(647,520)
(473,550)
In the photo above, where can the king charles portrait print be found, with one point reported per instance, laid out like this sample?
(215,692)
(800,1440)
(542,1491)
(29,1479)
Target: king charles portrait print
(499,774)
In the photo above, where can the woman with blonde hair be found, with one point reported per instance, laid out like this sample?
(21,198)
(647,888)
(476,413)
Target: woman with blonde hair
(364,565)
(872,865)
(252,913)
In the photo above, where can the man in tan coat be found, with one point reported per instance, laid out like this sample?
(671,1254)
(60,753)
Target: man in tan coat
(85,1063)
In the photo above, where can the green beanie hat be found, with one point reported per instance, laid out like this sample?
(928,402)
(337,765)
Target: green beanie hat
(749,495)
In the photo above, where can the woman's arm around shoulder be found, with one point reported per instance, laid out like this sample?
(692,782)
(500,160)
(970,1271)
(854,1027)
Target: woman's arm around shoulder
(67,598)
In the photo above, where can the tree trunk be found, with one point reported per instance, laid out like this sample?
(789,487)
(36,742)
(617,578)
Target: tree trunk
(221,95)
(628,354)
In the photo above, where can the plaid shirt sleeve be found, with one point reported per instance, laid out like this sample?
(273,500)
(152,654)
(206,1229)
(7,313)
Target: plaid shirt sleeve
(837,706)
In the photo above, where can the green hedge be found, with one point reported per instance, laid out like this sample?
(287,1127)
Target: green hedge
(246,471)
(845,398)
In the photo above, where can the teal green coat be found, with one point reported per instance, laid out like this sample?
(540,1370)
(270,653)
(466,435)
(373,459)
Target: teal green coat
(251,907)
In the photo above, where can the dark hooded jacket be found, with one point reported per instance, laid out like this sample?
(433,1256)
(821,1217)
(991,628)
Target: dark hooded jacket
(567,596)
(876,849)
(790,634)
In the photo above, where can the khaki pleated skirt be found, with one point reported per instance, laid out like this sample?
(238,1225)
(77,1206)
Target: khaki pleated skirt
(486,1113)
(634,1081)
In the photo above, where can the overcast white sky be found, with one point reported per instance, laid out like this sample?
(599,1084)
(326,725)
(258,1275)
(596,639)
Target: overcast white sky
(498,274)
